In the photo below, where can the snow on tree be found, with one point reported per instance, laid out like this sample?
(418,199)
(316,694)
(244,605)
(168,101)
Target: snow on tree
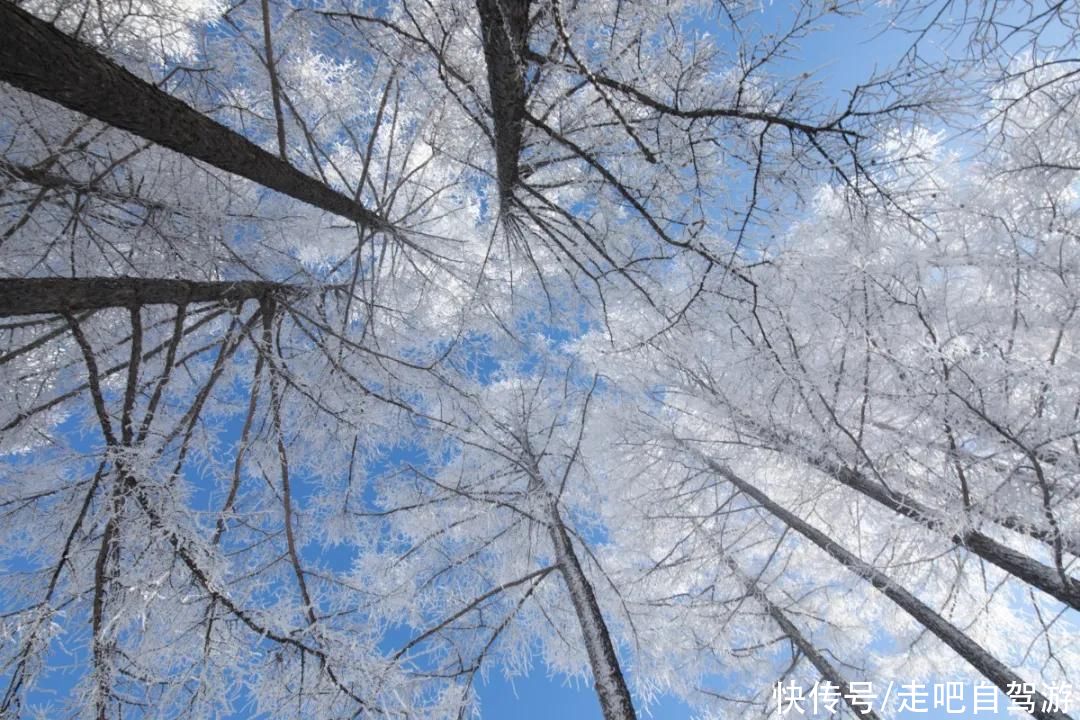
(353,351)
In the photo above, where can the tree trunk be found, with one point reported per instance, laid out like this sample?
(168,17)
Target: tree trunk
(504,30)
(819,661)
(992,668)
(1046,578)
(38,58)
(1066,589)
(610,685)
(32,296)
(62,183)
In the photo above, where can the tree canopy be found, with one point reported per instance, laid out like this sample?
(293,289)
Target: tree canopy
(352,351)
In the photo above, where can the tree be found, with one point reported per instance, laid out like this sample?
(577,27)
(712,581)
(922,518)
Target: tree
(561,326)
(502,508)
(885,360)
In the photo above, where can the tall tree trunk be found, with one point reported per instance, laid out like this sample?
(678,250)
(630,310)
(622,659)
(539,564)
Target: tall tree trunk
(815,656)
(504,28)
(275,86)
(1044,577)
(610,685)
(32,296)
(38,58)
(1039,575)
(992,668)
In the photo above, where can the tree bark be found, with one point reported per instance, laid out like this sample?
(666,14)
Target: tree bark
(38,58)
(611,688)
(1066,589)
(504,28)
(32,296)
(275,86)
(992,668)
(1039,575)
(816,658)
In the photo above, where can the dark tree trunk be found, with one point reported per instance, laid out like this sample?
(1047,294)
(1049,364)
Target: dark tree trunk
(1044,577)
(504,28)
(1039,575)
(611,688)
(32,296)
(992,668)
(816,658)
(38,58)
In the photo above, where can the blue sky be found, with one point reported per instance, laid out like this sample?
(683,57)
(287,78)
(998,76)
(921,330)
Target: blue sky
(853,50)
(837,59)
(539,697)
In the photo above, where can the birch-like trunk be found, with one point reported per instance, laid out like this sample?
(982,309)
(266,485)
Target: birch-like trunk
(1064,588)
